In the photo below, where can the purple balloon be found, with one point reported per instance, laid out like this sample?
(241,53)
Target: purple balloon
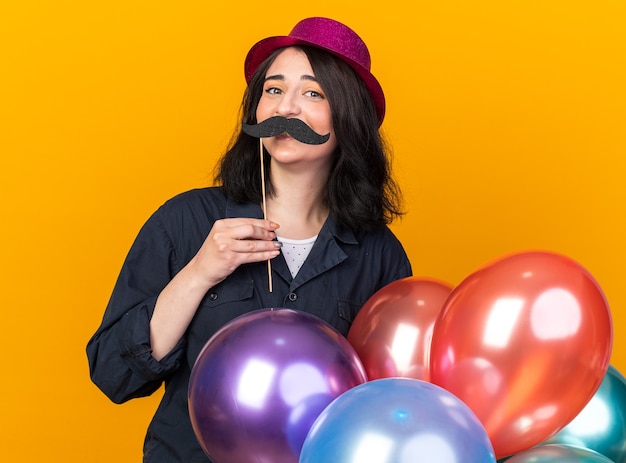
(262,379)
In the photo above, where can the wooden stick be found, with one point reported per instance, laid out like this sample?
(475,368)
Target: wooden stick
(269,264)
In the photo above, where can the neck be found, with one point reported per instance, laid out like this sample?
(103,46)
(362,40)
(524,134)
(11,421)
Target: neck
(298,207)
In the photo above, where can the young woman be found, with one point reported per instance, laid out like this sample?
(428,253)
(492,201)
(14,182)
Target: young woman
(200,260)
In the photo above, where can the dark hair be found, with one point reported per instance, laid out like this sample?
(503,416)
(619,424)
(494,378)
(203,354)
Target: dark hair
(361,192)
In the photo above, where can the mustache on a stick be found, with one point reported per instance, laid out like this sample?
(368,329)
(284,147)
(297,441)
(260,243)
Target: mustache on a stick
(277,125)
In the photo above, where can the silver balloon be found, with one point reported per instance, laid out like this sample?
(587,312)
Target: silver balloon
(601,425)
(558,453)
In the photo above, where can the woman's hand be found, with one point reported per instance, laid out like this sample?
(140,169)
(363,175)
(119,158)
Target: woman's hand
(231,243)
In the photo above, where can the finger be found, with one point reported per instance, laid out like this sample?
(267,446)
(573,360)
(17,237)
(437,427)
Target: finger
(238,221)
(254,246)
(251,231)
(260,256)
(248,254)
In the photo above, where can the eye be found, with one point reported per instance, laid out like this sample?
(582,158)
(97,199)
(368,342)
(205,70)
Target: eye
(273,90)
(314,94)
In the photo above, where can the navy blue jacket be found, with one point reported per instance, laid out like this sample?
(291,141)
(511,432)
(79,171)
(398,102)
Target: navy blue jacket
(343,270)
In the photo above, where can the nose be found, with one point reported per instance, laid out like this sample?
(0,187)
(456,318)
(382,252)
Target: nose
(288,106)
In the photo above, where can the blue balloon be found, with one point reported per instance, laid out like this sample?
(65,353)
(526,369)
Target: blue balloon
(601,425)
(397,420)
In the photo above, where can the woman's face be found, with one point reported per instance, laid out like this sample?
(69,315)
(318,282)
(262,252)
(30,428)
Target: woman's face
(292,91)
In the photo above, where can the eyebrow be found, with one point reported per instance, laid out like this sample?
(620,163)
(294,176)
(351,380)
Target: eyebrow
(282,77)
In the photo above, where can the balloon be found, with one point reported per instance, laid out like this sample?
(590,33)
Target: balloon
(525,342)
(397,420)
(261,381)
(555,453)
(392,331)
(302,418)
(601,425)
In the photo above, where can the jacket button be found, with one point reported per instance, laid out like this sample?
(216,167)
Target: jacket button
(292,297)
(213,297)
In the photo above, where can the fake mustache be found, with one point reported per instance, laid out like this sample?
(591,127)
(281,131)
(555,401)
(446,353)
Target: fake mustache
(278,125)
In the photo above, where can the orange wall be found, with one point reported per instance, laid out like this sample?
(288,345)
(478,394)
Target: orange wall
(507,121)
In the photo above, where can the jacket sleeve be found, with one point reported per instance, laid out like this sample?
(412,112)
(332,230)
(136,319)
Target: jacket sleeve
(395,260)
(119,353)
